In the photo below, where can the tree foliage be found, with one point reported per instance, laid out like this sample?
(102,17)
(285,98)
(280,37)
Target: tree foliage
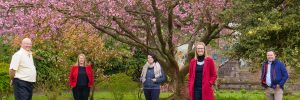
(267,25)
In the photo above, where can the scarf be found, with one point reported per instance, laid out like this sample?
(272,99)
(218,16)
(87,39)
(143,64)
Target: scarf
(157,70)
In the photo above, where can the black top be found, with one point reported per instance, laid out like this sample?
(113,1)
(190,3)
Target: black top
(82,79)
(199,71)
(200,58)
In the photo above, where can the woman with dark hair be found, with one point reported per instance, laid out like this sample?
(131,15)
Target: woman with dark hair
(81,78)
(151,77)
(202,74)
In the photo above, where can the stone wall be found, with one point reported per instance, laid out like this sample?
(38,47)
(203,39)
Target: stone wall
(233,76)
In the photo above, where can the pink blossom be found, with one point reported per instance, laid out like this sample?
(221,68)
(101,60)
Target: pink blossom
(41,14)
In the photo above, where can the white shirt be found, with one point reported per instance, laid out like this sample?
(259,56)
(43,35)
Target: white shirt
(22,63)
(268,78)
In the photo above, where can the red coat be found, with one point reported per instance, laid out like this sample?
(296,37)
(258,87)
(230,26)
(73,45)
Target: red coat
(74,74)
(208,78)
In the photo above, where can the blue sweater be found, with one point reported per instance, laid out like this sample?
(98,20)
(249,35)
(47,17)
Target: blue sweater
(149,84)
(279,74)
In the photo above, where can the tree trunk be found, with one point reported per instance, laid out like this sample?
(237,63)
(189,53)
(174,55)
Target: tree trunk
(179,84)
(92,94)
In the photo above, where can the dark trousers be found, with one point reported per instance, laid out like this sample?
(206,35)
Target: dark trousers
(22,89)
(81,92)
(197,94)
(152,94)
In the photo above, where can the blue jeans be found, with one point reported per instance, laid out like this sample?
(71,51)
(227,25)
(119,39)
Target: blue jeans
(152,94)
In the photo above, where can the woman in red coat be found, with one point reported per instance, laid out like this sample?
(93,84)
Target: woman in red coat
(202,75)
(81,78)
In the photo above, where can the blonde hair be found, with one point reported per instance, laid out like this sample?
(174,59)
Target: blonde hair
(205,50)
(85,61)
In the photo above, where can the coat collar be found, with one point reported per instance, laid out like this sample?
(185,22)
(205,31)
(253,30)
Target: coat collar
(273,62)
(205,59)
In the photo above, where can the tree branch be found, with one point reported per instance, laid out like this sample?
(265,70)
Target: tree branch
(170,27)
(126,30)
(226,35)
(217,30)
(197,29)
(115,35)
(158,26)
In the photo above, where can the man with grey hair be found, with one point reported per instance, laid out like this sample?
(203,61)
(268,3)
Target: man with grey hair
(22,71)
(273,77)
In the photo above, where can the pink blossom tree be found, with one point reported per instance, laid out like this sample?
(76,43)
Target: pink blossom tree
(157,26)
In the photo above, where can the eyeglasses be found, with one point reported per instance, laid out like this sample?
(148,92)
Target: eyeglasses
(27,43)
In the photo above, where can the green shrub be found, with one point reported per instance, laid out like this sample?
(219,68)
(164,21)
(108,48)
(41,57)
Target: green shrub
(5,81)
(120,84)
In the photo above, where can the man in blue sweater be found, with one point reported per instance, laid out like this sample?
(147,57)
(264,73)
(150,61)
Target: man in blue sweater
(273,77)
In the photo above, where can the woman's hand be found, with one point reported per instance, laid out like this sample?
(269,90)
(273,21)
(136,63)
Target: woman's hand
(154,80)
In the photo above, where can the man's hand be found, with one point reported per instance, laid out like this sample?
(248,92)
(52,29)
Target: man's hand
(12,74)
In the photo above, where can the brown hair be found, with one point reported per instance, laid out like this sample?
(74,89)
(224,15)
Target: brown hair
(85,61)
(205,50)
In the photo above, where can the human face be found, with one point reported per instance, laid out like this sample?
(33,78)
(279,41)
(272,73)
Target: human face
(150,59)
(271,56)
(200,50)
(26,44)
(81,60)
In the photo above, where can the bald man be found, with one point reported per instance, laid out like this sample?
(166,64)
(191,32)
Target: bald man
(22,71)
(273,77)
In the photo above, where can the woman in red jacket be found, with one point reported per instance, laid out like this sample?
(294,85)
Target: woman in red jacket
(202,74)
(81,78)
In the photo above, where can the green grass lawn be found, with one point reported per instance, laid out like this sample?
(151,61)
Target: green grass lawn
(97,96)
(220,95)
(246,95)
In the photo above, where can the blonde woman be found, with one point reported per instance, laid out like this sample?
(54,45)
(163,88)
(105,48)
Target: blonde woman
(151,77)
(202,74)
(81,78)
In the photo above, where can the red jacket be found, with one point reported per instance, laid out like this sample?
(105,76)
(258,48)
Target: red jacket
(208,78)
(74,74)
